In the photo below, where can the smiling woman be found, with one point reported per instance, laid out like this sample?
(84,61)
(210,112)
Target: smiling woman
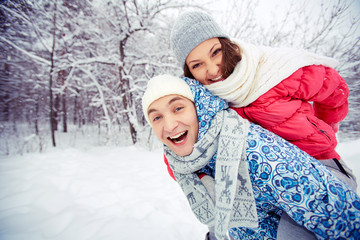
(207,64)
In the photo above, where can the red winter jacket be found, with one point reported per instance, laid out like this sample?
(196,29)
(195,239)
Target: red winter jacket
(302,109)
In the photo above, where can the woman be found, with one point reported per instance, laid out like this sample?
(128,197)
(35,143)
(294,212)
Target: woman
(293,93)
(258,175)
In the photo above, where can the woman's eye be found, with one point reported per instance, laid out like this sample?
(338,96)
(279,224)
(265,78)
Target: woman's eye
(216,52)
(196,66)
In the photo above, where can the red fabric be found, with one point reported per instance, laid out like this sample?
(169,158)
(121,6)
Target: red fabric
(286,109)
(168,168)
(171,173)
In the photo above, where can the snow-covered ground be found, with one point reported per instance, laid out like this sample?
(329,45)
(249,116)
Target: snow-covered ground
(100,194)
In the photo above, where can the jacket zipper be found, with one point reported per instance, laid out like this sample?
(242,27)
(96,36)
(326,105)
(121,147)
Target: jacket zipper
(320,130)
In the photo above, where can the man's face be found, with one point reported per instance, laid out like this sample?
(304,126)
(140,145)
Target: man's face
(174,121)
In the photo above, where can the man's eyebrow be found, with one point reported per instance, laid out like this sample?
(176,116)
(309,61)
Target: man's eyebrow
(174,99)
(151,110)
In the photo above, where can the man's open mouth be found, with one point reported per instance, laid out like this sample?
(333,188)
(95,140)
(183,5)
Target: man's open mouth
(178,138)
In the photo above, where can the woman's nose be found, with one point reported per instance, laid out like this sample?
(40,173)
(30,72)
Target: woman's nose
(213,70)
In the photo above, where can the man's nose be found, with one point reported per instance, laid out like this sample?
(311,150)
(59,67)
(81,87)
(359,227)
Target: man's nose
(170,124)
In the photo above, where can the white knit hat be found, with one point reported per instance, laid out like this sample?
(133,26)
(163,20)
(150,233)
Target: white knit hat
(189,30)
(161,86)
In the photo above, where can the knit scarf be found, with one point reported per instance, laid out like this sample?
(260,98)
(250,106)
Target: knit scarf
(225,137)
(260,69)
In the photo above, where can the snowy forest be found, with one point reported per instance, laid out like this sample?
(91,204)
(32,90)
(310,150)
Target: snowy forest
(78,68)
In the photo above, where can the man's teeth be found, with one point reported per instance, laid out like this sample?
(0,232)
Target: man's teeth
(177,136)
(178,141)
(218,78)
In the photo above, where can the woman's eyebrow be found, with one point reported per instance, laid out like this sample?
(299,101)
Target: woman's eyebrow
(211,49)
(195,60)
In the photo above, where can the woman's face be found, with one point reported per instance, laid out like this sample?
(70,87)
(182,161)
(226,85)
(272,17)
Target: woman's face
(205,60)
(174,121)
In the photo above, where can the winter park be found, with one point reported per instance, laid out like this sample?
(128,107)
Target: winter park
(78,157)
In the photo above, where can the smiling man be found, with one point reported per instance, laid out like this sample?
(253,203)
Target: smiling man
(174,121)
(171,113)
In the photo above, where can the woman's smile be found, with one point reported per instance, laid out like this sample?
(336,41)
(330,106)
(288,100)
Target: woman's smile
(218,79)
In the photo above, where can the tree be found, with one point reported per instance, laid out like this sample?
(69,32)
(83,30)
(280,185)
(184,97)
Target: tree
(90,51)
(122,22)
(52,55)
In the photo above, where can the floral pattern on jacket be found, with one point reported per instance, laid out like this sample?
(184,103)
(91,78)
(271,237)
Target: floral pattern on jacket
(305,189)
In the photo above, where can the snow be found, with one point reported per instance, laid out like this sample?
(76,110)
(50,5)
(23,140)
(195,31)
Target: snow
(100,193)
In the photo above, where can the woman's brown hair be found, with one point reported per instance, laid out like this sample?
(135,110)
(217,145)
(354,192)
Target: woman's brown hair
(231,57)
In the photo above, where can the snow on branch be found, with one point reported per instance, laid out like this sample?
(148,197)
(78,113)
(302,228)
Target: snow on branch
(29,54)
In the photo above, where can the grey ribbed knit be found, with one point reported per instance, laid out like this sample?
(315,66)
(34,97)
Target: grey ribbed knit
(190,29)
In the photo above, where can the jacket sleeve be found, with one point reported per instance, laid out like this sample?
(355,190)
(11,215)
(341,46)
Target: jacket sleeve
(326,89)
(171,173)
(304,109)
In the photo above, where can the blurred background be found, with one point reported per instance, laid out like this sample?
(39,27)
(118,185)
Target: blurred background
(75,70)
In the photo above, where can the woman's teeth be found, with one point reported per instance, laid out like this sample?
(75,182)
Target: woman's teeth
(216,79)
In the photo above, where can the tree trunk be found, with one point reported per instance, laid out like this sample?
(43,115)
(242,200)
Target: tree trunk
(62,76)
(64,111)
(56,112)
(37,117)
(124,89)
(63,98)
(52,53)
(6,111)
(75,119)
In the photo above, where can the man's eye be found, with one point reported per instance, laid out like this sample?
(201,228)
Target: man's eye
(178,109)
(156,118)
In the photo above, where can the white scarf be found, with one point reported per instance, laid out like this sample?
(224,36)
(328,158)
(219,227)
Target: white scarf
(260,69)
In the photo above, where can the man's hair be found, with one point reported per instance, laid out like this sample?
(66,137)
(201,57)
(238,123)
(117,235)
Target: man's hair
(231,57)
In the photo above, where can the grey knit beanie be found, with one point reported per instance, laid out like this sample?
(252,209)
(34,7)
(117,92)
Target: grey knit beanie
(190,29)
